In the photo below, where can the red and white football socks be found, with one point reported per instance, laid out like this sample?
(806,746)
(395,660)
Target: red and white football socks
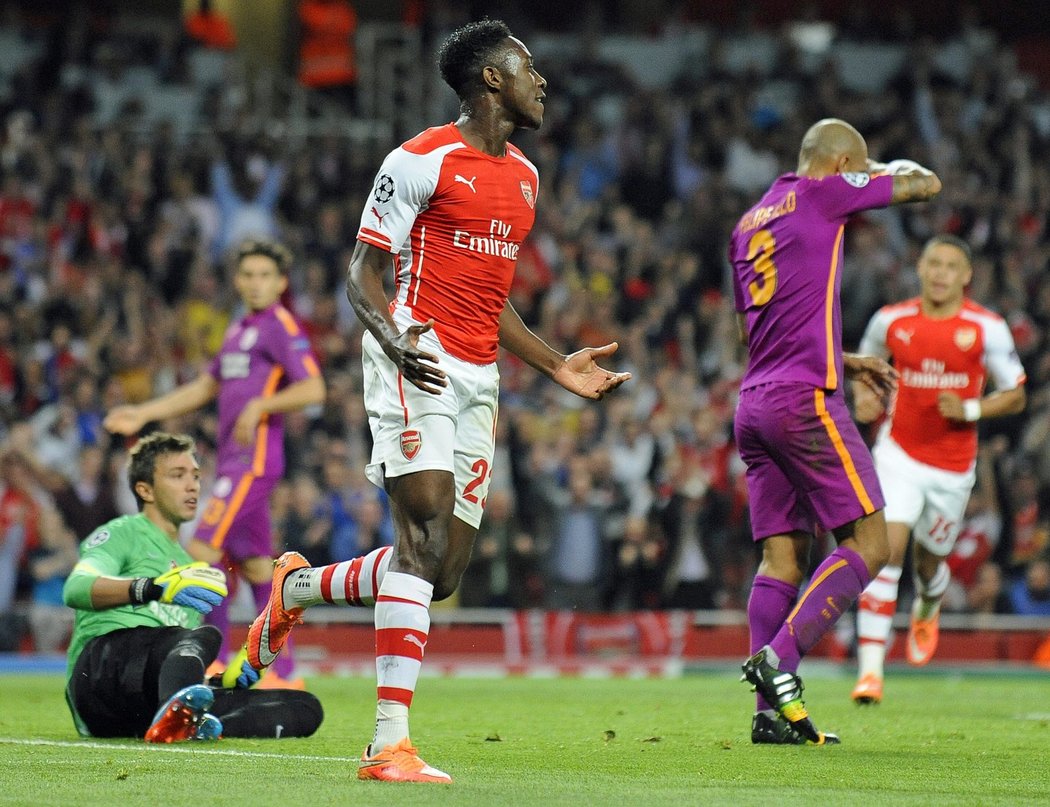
(350,582)
(875,610)
(402,618)
(928,595)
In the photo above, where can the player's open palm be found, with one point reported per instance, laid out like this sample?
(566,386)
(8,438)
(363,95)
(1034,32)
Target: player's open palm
(416,365)
(124,420)
(581,374)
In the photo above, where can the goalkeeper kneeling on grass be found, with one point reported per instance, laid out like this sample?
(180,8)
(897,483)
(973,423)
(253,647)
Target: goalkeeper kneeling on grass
(139,651)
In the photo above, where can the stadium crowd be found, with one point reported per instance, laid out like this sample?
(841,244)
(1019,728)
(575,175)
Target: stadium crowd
(116,227)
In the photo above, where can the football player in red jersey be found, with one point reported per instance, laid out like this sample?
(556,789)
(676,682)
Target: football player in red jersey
(448,212)
(944,346)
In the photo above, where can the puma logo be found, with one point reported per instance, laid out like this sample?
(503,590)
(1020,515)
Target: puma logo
(379,218)
(468,182)
(415,640)
(904,336)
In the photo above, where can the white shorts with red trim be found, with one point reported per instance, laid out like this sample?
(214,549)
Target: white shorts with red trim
(415,431)
(932,501)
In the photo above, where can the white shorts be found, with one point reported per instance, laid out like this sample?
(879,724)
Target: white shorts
(415,431)
(932,501)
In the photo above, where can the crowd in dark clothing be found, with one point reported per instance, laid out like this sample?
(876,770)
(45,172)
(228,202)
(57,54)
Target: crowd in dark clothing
(115,231)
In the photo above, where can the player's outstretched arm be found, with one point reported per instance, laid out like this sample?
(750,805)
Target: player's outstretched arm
(578,372)
(195,585)
(129,419)
(364,290)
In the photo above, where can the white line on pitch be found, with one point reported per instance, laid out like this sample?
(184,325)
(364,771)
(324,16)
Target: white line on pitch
(194,748)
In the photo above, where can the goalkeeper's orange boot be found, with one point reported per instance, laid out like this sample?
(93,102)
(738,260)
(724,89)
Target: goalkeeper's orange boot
(922,639)
(268,633)
(399,763)
(181,715)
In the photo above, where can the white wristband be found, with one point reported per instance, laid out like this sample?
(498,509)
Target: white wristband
(972,409)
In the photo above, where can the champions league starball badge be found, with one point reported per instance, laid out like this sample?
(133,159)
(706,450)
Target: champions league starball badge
(384,188)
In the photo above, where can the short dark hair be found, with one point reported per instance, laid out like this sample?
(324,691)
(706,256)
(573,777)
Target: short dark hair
(952,241)
(142,459)
(278,253)
(467,51)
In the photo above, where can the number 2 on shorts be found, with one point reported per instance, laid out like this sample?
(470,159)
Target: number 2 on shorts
(481,468)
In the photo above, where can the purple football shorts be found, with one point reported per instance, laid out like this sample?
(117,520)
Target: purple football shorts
(808,468)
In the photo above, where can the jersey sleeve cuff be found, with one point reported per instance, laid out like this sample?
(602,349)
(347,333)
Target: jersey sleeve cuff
(372,238)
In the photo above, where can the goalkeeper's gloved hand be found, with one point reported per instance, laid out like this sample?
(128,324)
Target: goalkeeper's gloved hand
(240,673)
(195,585)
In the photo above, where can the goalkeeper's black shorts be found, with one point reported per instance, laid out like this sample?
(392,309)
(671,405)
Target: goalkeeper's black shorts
(114,687)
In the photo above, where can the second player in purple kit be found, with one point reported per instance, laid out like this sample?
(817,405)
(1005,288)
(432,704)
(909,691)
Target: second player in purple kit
(808,470)
(264,368)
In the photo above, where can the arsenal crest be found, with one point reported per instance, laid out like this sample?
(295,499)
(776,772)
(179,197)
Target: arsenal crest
(526,191)
(965,338)
(410,443)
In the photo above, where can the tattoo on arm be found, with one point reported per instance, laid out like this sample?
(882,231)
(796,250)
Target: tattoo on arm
(915,187)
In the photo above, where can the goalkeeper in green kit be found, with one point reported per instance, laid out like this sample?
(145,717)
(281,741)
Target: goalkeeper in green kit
(139,651)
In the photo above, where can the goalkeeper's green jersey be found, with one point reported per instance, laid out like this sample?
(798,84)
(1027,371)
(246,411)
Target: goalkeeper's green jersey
(129,546)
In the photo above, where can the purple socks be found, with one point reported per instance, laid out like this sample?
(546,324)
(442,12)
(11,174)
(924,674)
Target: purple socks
(835,585)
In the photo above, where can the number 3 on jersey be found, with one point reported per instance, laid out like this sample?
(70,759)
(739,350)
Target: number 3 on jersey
(760,253)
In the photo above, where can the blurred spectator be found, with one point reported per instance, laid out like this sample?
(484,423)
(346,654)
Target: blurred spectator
(326,46)
(84,498)
(694,523)
(504,567)
(306,528)
(20,504)
(210,28)
(356,509)
(988,594)
(50,620)
(1030,594)
(1028,527)
(246,197)
(638,577)
(579,558)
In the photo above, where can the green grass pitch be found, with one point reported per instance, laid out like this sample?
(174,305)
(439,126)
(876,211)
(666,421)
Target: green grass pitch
(939,739)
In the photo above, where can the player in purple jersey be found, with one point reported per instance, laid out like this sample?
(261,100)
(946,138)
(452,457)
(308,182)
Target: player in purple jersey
(808,470)
(264,368)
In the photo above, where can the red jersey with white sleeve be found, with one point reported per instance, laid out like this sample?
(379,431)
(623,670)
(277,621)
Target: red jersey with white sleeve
(454,218)
(956,354)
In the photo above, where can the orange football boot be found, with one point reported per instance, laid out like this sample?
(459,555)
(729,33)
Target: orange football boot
(269,631)
(868,690)
(399,763)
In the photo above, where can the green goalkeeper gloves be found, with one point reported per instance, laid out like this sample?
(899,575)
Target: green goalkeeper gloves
(195,585)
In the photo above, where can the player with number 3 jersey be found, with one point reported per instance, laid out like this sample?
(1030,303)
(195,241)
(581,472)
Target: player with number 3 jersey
(945,347)
(808,470)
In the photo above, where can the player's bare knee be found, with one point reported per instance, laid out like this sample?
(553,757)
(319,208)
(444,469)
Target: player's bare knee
(785,557)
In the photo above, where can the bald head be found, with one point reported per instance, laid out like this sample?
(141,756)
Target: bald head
(832,146)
